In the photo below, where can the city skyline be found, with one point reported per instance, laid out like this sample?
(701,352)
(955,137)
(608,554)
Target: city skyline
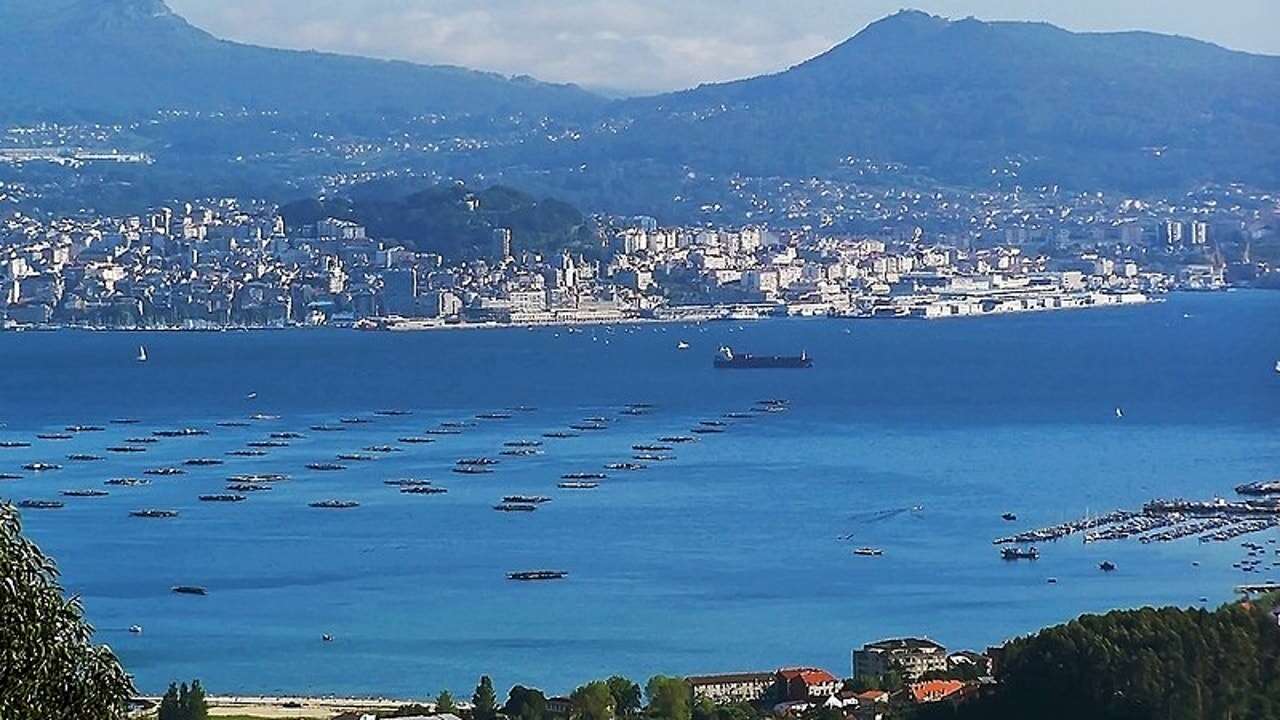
(631,47)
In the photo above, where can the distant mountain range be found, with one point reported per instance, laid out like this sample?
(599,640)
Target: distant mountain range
(963,99)
(960,102)
(114,58)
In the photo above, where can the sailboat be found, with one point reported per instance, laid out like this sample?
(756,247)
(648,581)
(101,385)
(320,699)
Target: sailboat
(1119,413)
(682,345)
(1278,366)
(142,353)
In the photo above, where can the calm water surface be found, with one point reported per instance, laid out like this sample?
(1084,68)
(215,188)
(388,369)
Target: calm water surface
(912,437)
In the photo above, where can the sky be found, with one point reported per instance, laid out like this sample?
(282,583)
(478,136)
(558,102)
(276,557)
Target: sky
(639,46)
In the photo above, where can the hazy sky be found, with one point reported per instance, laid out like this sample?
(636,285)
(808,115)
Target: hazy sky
(646,45)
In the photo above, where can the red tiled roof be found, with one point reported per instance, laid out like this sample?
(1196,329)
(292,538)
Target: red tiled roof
(935,690)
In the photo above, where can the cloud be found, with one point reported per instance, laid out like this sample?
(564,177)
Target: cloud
(654,45)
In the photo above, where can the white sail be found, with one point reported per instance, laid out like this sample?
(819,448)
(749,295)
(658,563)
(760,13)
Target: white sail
(142,353)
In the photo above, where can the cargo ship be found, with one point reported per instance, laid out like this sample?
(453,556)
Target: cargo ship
(728,360)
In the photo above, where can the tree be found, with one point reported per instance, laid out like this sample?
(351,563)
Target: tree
(525,704)
(592,701)
(670,698)
(444,702)
(484,702)
(197,708)
(48,664)
(169,707)
(626,695)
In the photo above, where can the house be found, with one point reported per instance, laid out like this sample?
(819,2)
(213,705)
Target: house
(731,687)
(914,657)
(936,691)
(559,706)
(801,684)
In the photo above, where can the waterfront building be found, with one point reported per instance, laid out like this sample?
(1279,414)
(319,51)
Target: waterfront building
(731,688)
(913,657)
(804,684)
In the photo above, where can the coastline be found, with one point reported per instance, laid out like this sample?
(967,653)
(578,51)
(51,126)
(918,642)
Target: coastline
(291,706)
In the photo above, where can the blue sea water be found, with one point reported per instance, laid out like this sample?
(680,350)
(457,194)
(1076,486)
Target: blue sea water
(912,437)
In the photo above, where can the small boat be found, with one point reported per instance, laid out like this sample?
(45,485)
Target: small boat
(180,433)
(14,444)
(259,478)
(472,470)
(477,461)
(335,504)
(355,457)
(189,590)
(141,440)
(677,439)
(1010,517)
(286,436)
(711,423)
(652,457)
(529,575)
(353,421)
(707,430)
(267,444)
(85,493)
(414,440)
(651,448)
(559,435)
(164,471)
(326,467)
(1119,413)
(246,453)
(625,466)
(251,396)
(154,514)
(515,507)
(53,436)
(521,452)
(868,552)
(135,629)
(203,462)
(682,345)
(326,638)
(494,416)
(40,504)
(127,482)
(589,426)
(10,476)
(83,428)
(1052,581)
(383,449)
(423,490)
(738,416)
(247,487)
(527,499)
(125,421)
(328,428)
(393,413)
(524,408)
(457,424)
(1107,566)
(226,498)
(406,482)
(577,485)
(522,444)
(126,449)
(82,457)
(41,467)
(232,424)
(263,416)
(583,476)
(442,431)
(634,411)
(1017,553)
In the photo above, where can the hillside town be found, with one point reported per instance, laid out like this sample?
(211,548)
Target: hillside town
(228,264)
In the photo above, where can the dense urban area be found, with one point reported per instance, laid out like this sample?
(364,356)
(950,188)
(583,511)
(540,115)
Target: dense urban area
(229,263)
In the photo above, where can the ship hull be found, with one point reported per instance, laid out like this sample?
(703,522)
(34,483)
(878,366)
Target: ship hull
(748,362)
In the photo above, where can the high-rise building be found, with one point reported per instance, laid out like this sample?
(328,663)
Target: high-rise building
(1199,233)
(501,244)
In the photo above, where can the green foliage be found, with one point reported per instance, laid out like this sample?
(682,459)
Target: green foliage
(444,702)
(592,701)
(706,709)
(670,698)
(1169,664)
(626,695)
(183,702)
(484,702)
(49,667)
(525,704)
(442,220)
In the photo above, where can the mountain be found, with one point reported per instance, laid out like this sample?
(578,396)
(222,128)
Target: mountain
(453,221)
(958,99)
(100,59)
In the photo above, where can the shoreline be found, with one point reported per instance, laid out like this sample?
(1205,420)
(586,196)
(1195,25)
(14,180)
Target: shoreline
(301,707)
